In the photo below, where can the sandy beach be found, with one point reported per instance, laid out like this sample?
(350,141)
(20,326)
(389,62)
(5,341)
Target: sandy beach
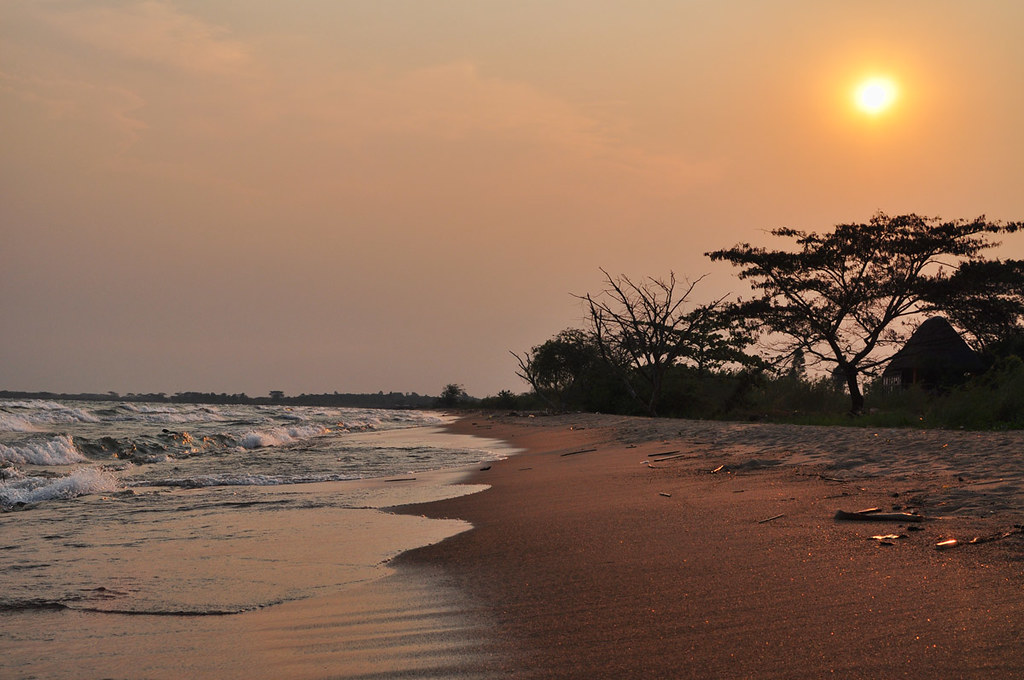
(606,547)
(616,547)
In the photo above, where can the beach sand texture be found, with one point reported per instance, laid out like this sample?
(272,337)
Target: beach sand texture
(616,547)
(610,548)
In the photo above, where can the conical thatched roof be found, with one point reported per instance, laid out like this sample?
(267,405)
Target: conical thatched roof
(934,351)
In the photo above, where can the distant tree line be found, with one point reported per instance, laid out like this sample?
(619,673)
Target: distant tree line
(839,303)
(389,400)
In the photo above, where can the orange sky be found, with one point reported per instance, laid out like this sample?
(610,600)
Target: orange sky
(314,196)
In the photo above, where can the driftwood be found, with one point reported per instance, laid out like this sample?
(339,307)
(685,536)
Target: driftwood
(664,453)
(770,519)
(667,457)
(998,536)
(404,479)
(874,516)
(573,453)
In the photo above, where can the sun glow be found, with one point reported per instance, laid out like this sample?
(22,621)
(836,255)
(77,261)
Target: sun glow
(875,95)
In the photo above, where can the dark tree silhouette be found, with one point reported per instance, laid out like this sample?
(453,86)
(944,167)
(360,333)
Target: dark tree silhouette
(557,367)
(839,296)
(985,299)
(643,329)
(451,395)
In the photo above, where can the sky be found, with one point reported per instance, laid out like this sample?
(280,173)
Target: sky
(345,195)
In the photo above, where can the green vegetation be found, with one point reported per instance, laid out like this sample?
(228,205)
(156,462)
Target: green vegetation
(841,304)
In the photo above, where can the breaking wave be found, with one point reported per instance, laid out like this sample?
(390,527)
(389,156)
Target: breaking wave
(10,422)
(59,450)
(258,439)
(37,489)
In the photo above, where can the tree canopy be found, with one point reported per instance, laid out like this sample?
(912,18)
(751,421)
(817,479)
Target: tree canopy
(985,298)
(644,328)
(839,297)
(560,367)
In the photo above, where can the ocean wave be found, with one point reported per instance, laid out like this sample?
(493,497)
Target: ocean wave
(277,436)
(50,412)
(10,422)
(59,450)
(81,482)
(8,472)
(174,413)
(205,481)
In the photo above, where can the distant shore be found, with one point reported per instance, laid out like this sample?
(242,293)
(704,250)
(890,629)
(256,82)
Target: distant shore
(389,400)
(621,547)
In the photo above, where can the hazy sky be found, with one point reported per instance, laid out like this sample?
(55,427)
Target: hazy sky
(321,195)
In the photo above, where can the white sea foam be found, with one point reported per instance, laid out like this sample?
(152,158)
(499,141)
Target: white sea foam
(59,450)
(36,489)
(203,481)
(10,422)
(174,413)
(257,439)
(51,412)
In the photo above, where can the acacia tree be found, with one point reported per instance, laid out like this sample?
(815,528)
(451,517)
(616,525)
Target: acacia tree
(839,296)
(985,298)
(643,329)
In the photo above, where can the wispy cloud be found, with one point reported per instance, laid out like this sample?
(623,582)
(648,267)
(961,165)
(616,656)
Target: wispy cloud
(105,106)
(249,119)
(151,32)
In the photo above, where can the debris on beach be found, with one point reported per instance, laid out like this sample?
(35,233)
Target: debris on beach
(666,495)
(770,519)
(662,457)
(998,536)
(874,515)
(718,469)
(573,453)
(947,544)
(887,539)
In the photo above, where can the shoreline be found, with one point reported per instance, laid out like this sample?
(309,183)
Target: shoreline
(273,581)
(595,563)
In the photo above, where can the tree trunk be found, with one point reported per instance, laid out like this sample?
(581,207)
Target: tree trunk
(856,398)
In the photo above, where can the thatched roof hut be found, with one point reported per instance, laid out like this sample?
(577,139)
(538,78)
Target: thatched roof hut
(934,356)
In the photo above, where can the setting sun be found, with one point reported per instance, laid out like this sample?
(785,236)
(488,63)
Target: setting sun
(875,95)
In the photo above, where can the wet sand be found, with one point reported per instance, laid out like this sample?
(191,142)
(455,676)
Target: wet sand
(610,549)
(347,614)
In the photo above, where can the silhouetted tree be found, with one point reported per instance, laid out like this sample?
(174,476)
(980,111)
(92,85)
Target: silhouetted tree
(643,329)
(985,299)
(838,295)
(452,395)
(559,366)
